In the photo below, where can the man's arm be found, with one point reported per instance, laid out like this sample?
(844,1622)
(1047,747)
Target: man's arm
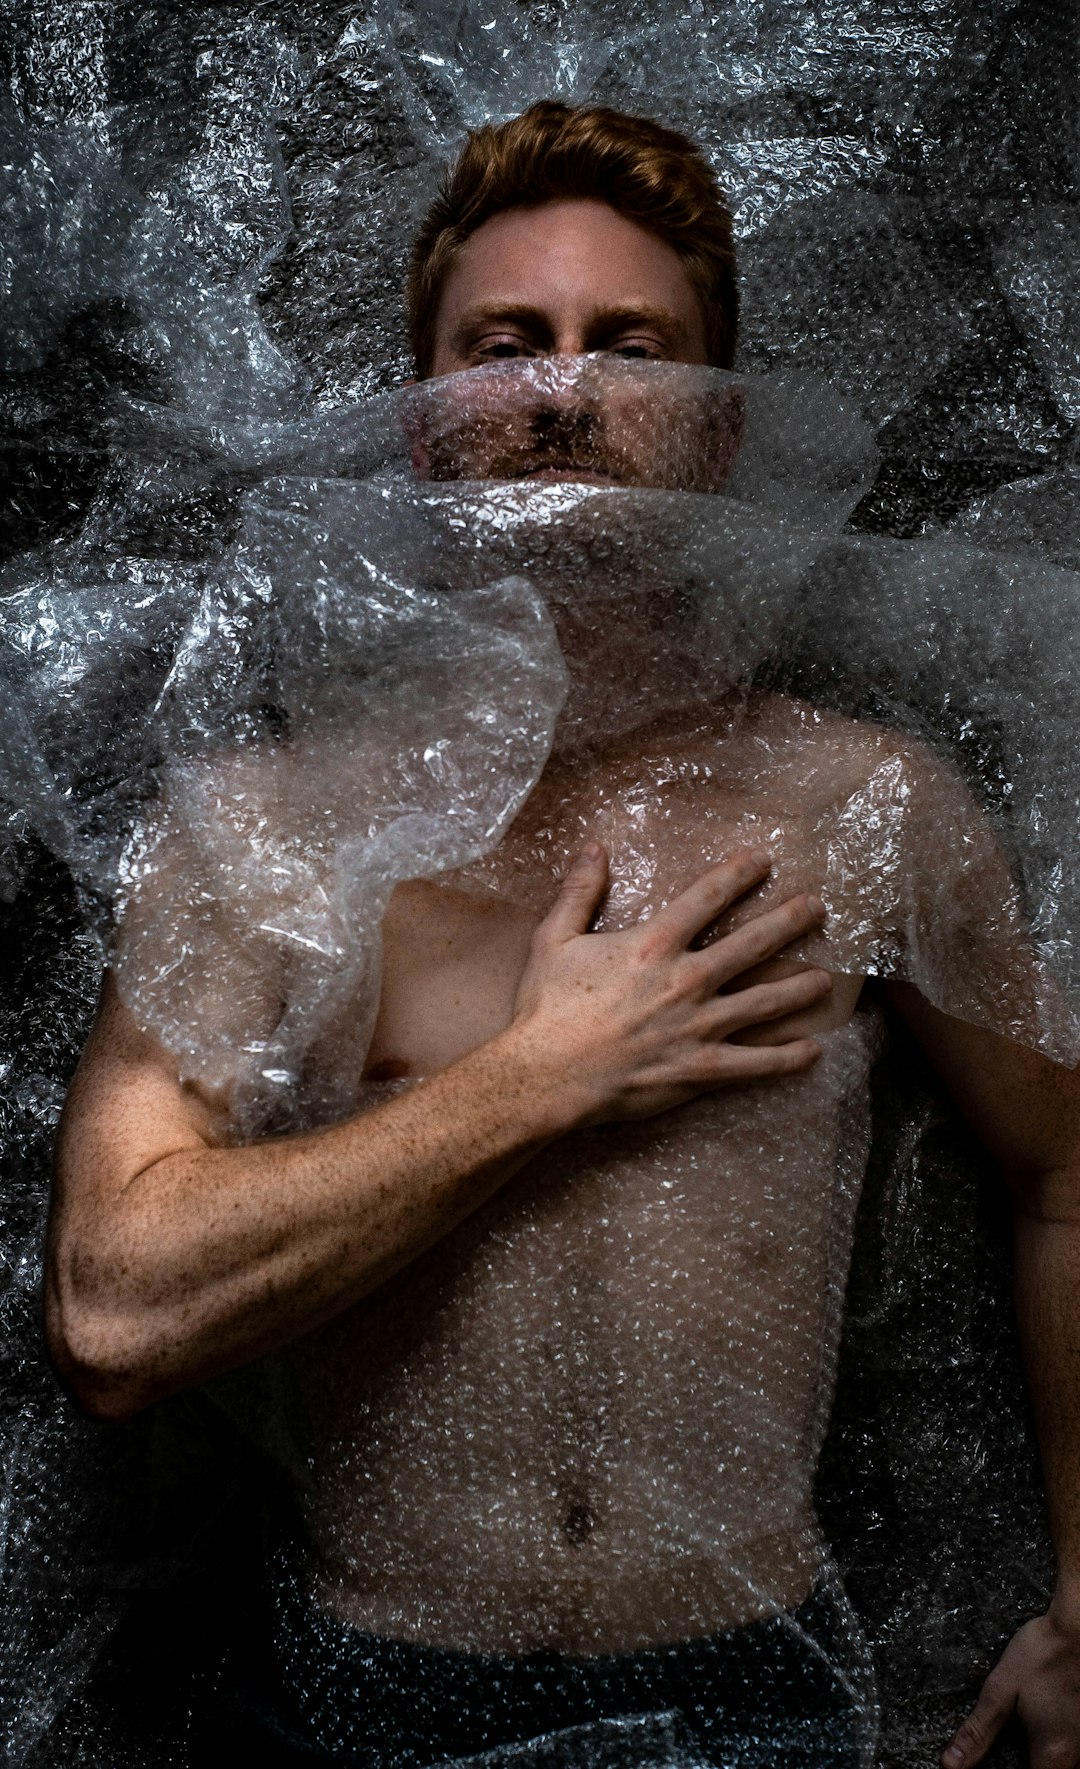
(171,1258)
(1026,1111)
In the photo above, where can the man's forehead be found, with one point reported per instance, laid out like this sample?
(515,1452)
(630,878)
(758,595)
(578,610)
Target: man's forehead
(578,250)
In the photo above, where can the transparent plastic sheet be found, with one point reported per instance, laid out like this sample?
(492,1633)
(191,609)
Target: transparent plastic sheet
(1040,515)
(667,602)
(292,732)
(158,123)
(645,1742)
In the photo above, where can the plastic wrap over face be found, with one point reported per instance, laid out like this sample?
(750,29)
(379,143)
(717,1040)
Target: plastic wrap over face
(690,605)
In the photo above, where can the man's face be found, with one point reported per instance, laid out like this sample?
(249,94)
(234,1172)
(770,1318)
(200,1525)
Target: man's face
(547,285)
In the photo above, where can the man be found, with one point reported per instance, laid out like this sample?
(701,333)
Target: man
(562,1305)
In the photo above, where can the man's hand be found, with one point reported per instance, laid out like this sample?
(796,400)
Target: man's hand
(633,1022)
(1037,1680)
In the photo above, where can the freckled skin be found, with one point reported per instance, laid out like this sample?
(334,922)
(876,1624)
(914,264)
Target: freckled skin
(173,1257)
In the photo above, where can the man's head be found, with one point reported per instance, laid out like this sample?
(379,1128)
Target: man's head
(564,232)
(650,177)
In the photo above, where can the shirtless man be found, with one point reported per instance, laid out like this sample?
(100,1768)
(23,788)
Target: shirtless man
(562,1294)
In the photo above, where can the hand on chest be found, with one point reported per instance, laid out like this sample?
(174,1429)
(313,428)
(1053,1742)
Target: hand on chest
(455,951)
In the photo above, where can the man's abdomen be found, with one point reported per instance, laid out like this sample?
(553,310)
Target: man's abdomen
(589,1419)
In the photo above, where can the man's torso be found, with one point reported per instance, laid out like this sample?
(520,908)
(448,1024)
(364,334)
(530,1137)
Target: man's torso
(589,1418)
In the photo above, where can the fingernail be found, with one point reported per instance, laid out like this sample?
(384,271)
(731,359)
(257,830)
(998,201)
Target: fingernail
(591,850)
(761,856)
(817,906)
(954,1754)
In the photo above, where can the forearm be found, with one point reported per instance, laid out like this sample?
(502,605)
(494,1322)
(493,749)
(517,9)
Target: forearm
(1037,1678)
(171,1258)
(1048,1316)
(210,1257)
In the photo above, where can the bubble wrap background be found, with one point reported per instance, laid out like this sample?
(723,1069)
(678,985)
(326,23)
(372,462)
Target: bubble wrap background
(204,214)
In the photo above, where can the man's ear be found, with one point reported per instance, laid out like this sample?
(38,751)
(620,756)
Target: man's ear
(725,427)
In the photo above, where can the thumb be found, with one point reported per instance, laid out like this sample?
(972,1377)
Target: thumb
(971,1740)
(580,895)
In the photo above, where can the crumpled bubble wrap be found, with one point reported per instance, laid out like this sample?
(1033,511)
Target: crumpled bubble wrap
(328,641)
(648,1742)
(205,222)
(230,877)
(1040,515)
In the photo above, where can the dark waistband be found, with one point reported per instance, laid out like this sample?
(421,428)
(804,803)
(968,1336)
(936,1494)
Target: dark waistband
(383,1703)
(818,1619)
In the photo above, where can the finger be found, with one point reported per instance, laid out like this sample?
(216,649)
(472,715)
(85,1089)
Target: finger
(733,1063)
(768,1001)
(710,895)
(971,1740)
(761,938)
(580,896)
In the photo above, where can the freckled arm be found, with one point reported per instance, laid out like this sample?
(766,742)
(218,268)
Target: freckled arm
(171,1258)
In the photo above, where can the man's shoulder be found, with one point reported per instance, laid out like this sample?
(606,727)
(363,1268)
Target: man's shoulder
(831,753)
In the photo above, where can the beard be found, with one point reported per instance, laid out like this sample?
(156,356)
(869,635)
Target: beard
(547,441)
(593,419)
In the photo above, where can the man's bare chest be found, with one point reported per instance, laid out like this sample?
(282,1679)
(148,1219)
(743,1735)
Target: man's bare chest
(455,950)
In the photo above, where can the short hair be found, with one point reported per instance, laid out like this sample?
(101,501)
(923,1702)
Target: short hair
(648,173)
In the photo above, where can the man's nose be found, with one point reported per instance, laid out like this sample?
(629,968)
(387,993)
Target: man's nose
(564,382)
(565,421)
(567,336)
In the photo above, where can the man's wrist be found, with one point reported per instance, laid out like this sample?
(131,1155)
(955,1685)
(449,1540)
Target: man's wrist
(555,1090)
(1064,1608)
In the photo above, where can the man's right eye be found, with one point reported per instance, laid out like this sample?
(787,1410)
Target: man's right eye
(499,349)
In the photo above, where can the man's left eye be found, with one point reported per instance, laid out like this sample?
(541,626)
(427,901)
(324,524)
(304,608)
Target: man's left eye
(636,351)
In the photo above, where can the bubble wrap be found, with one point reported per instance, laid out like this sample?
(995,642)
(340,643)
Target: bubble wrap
(273,639)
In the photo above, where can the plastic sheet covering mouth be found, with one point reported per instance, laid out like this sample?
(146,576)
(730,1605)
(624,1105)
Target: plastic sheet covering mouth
(274,640)
(545,498)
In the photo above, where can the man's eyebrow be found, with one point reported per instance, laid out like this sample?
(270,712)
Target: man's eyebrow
(638,313)
(497,313)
